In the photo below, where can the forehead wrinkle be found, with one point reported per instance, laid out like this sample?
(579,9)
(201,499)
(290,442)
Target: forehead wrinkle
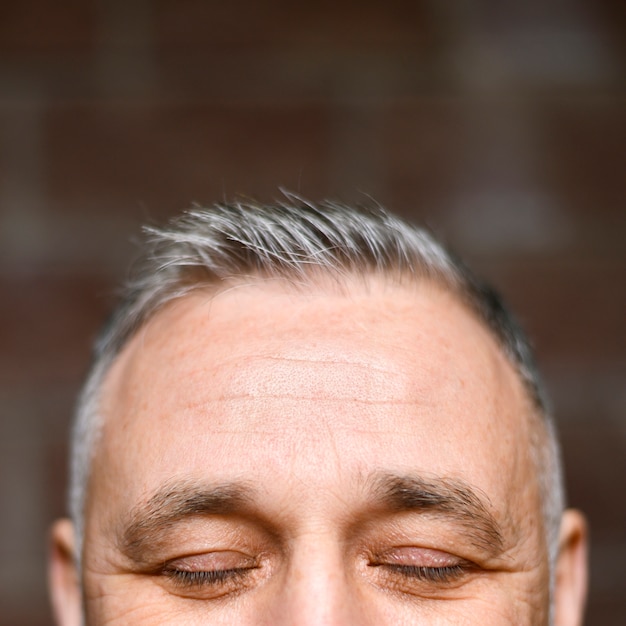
(388,378)
(326,379)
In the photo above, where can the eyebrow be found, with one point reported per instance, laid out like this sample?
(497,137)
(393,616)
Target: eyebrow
(148,523)
(447,498)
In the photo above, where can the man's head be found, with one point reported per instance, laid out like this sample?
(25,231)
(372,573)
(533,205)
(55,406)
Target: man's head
(308,414)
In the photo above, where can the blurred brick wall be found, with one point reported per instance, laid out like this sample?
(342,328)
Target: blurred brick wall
(504,130)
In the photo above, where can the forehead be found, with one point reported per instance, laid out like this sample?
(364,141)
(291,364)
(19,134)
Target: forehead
(283,388)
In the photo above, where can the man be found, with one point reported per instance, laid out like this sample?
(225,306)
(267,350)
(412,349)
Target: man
(313,415)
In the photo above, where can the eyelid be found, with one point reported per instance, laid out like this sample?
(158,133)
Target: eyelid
(413,556)
(218,560)
(210,575)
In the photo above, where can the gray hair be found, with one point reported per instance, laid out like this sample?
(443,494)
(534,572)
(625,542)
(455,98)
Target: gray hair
(298,241)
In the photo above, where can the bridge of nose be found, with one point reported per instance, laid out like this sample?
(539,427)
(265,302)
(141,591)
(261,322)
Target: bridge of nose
(321,584)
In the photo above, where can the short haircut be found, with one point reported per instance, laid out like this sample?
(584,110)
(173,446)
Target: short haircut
(301,242)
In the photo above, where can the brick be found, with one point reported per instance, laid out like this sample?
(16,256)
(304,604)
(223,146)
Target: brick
(47,331)
(22,541)
(574,308)
(34,27)
(249,25)
(583,151)
(593,457)
(151,160)
(595,464)
(423,150)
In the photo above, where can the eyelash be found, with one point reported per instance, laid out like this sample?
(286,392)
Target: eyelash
(206,578)
(444,574)
(216,578)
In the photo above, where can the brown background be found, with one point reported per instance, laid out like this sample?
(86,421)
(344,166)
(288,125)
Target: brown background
(501,125)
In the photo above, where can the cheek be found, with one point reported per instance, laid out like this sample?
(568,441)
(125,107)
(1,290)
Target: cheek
(121,599)
(130,599)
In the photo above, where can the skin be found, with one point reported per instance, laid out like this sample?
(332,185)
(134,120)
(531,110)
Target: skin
(275,458)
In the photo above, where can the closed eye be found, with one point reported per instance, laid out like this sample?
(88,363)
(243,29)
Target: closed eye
(444,574)
(210,575)
(210,578)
